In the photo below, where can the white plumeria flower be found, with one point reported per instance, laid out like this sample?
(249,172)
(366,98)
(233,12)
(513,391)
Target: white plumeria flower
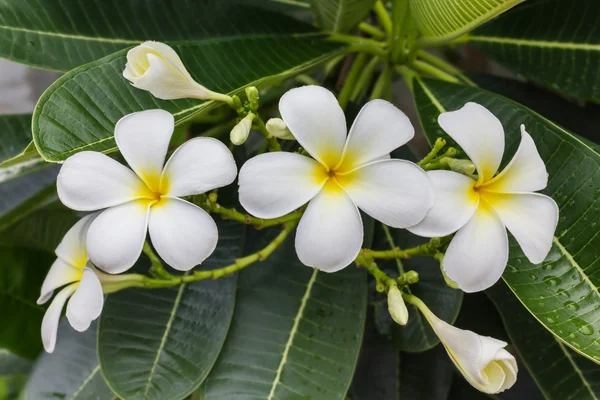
(147,198)
(481,210)
(156,67)
(348,172)
(482,360)
(71,268)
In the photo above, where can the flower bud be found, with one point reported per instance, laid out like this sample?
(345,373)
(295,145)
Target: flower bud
(396,306)
(278,128)
(464,167)
(156,67)
(240,132)
(252,94)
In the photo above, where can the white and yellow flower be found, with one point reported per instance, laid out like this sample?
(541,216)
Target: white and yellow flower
(147,198)
(157,68)
(71,268)
(346,173)
(481,210)
(482,360)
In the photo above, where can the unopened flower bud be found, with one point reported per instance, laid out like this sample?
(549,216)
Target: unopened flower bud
(464,167)
(396,306)
(240,132)
(278,128)
(252,94)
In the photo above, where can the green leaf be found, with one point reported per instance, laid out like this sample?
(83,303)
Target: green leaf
(26,253)
(555,43)
(79,111)
(558,371)
(296,332)
(440,21)
(72,371)
(11,364)
(161,343)
(562,293)
(18,155)
(340,15)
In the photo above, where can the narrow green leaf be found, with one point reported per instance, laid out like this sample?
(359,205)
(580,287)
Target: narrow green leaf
(562,292)
(559,372)
(296,332)
(442,20)
(161,344)
(555,43)
(340,15)
(72,371)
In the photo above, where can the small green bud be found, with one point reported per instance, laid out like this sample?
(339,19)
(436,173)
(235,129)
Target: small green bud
(212,197)
(464,167)
(278,128)
(240,132)
(396,305)
(252,94)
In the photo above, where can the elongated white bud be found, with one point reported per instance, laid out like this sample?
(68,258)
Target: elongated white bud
(396,306)
(278,128)
(240,132)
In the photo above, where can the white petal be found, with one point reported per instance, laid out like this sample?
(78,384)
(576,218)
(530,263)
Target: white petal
(478,253)
(378,129)
(479,133)
(274,184)
(330,232)
(455,203)
(72,248)
(526,171)
(143,139)
(316,120)
(183,234)
(52,317)
(90,181)
(116,237)
(530,217)
(86,303)
(200,165)
(60,274)
(395,192)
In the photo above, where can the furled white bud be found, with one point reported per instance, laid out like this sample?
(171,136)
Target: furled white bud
(396,305)
(278,128)
(240,132)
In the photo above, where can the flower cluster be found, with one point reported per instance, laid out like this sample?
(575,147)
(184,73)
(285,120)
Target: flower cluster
(337,174)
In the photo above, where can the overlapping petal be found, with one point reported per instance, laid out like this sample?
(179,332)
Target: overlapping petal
(274,184)
(90,181)
(315,118)
(116,237)
(52,317)
(455,203)
(526,171)
(200,165)
(183,234)
(530,217)
(60,274)
(330,233)
(86,303)
(72,247)
(478,253)
(479,133)
(395,192)
(378,129)
(143,140)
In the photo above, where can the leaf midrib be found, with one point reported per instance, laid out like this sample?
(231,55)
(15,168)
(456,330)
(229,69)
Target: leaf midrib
(576,368)
(552,44)
(85,382)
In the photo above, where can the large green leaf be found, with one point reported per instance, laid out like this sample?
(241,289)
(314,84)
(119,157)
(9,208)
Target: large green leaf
(296,332)
(244,46)
(340,15)
(26,253)
(554,42)
(161,344)
(443,20)
(11,364)
(562,292)
(72,371)
(560,373)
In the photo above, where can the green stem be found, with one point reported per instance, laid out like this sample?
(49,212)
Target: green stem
(425,249)
(355,40)
(364,79)
(429,69)
(365,260)
(392,244)
(437,147)
(407,74)
(443,65)
(157,268)
(351,79)
(417,302)
(259,223)
(260,125)
(382,88)
(371,30)
(400,15)
(306,79)
(383,17)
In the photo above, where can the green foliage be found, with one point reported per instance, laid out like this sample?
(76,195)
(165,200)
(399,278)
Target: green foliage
(443,20)
(562,292)
(72,371)
(161,344)
(296,332)
(555,43)
(11,364)
(340,15)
